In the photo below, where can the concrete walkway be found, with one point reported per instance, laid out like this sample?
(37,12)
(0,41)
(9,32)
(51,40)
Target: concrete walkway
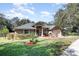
(73,49)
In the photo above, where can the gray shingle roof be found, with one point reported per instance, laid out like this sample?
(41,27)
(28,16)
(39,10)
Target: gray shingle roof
(49,26)
(26,26)
(30,26)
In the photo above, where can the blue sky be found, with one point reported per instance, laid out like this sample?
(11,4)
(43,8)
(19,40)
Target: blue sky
(33,11)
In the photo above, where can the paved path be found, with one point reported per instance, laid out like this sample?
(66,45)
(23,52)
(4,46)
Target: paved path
(73,49)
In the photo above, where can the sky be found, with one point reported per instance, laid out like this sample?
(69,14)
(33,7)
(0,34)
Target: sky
(33,11)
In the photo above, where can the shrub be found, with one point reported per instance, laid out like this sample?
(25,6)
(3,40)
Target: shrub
(4,31)
(31,40)
(10,36)
(34,40)
(23,36)
(18,36)
(57,48)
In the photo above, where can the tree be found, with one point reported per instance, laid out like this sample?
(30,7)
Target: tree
(5,22)
(60,18)
(68,18)
(14,21)
(40,23)
(51,23)
(2,19)
(22,22)
(4,31)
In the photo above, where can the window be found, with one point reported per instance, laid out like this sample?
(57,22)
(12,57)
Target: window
(26,31)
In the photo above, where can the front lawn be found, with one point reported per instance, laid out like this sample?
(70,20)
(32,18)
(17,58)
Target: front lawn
(18,49)
(45,47)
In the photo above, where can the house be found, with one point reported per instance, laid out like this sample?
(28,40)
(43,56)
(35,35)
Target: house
(39,29)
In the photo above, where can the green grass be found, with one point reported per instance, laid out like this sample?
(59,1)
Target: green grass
(46,47)
(18,49)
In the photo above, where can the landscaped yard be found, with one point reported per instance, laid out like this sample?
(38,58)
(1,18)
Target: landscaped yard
(45,47)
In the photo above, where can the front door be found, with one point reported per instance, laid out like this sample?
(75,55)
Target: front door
(39,30)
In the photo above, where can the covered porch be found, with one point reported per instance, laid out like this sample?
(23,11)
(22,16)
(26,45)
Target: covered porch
(41,31)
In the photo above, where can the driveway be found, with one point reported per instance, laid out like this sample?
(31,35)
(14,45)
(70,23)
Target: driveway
(73,49)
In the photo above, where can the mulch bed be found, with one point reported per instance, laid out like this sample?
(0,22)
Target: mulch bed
(29,43)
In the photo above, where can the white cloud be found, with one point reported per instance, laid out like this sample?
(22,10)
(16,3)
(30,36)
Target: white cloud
(32,8)
(45,13)
(53,13)
(26,10)
(19,4)
(21,8)
(12,13)
(29,11)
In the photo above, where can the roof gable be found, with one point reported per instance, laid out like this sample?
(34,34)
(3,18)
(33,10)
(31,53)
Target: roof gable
(31,26)
(40,23)
(26,26)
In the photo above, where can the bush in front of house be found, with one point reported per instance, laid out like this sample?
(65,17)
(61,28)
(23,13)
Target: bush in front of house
(23,36)
(57,48)
(19,36)
(4,31)
(10,36)
(34,40)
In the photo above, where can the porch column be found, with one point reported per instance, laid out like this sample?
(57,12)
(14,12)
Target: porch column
(23,31)
(42,32)
(29,31)
(35,32)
